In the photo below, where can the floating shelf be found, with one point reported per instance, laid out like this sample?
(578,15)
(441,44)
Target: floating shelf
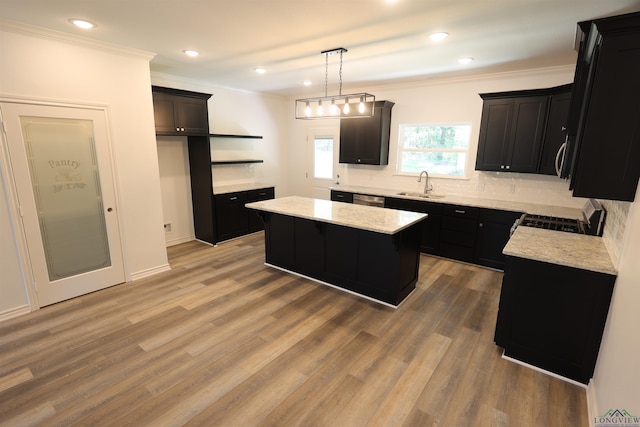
(235,162)
(223,135)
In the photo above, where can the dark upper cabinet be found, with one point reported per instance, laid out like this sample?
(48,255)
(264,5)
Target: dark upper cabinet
(603,156)
(365,141)
(555,131)
(511,131)
(180,112)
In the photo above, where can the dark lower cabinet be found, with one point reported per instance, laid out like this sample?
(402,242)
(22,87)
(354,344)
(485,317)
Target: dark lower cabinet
(380,266)
(458,232)
(232,218)
(552,317)
(231,215)
(494,227)
(430,229)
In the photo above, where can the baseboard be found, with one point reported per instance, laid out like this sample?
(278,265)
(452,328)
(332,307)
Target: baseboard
(592,405)
(174,242)
(14,312)
(150,272)
(544,371)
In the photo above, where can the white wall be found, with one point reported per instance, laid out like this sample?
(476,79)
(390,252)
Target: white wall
(616,382)
(46,65)
(452,100)
(230,112)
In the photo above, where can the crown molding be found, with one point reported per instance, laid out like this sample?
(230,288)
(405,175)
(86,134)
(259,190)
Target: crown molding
(47,34)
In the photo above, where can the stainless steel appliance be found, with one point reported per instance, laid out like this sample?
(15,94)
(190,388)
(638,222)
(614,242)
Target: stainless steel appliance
(365,199)
(592,222)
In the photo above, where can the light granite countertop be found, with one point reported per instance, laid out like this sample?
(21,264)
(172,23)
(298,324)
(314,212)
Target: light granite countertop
(385,221)
(531,208)
(556,247)
(225,189)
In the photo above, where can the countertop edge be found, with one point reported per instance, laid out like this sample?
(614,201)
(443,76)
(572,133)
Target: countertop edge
(361,225)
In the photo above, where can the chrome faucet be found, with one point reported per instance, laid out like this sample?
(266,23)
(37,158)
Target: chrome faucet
(427,187)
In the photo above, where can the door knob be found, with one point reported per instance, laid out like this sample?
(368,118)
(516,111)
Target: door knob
(109,209)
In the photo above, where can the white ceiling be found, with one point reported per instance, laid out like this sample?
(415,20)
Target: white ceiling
(386,41)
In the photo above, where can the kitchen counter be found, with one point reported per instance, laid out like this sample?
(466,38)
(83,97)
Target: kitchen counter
(556,247)
(531,208)
(386,221)
(225,189)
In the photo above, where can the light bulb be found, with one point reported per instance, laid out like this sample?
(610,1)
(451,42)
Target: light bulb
(320,109)
(307,110)
(346,108)
(361,106)
(333,109)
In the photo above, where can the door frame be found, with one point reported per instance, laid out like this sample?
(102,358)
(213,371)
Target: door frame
(7,179)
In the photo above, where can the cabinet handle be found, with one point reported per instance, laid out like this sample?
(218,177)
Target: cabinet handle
(233,198)
(501,166)
(358,160)
(508,167)
(262,194)
(339,196)
(481,225)
(458,211)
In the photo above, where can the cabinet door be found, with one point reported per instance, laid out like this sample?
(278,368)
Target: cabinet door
(351,135)
(309,247)
(555,131)
(163,113)
(495,130)
(608,157)
(527,130)
(494,227)
(192,116)
(341,255)
(231,215)
(280,240)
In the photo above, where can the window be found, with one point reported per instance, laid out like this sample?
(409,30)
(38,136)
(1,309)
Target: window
(440,149)
(323,157)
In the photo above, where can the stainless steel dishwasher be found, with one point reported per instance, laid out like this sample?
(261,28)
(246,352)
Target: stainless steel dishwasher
(365,199)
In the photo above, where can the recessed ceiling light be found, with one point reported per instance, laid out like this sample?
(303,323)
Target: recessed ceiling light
(465,60)
(82,23)
(436,37)
(306,83)
(191,52)
(260,70)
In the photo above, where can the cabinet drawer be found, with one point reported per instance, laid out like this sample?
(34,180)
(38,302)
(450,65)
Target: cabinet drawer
(341,196)
(460,211)
(232,197)
(260,194)
(458,237)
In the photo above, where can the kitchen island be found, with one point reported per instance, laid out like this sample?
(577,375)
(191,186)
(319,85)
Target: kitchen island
(369,251)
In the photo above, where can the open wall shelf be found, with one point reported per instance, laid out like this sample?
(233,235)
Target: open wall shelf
(224,135)
(235,162)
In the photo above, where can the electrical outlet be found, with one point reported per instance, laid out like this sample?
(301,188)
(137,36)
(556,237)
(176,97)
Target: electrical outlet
(167,227)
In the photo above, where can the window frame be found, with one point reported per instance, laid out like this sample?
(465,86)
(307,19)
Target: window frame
(401,149)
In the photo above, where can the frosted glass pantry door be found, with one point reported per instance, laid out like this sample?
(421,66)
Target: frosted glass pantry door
(61,163)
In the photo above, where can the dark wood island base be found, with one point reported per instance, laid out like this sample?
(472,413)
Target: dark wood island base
(380,266)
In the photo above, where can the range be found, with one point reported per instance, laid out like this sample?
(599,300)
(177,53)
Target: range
(593,215)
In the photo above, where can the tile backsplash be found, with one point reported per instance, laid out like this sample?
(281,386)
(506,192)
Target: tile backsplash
(614,227)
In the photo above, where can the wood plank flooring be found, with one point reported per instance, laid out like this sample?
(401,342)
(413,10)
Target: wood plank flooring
(222,340)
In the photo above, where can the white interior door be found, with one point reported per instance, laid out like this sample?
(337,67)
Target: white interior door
(322,163)
(61,166)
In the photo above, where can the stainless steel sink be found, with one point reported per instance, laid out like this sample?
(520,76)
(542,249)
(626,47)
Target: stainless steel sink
(420,195)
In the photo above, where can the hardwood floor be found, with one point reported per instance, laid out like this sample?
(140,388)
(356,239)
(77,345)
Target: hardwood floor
(222,340)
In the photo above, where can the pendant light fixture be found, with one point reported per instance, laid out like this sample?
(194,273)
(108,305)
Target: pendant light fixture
(335,106)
